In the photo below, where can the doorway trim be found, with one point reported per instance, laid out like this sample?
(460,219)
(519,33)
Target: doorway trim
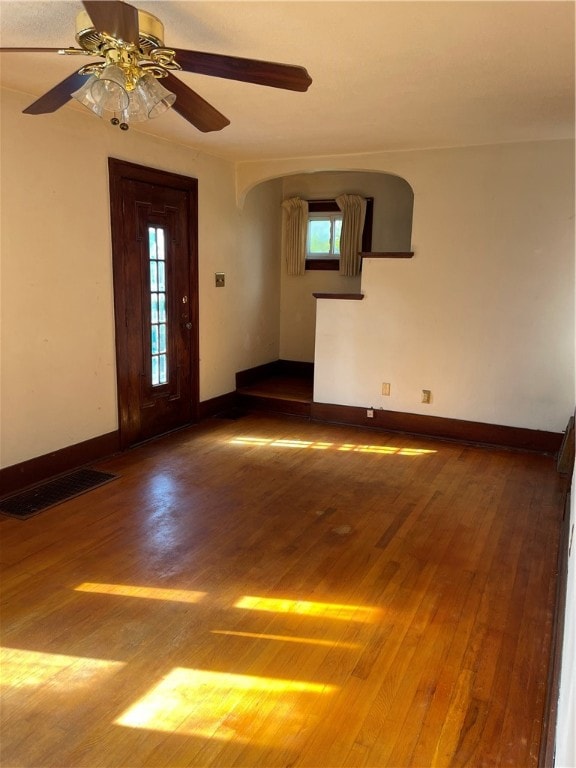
(118,171)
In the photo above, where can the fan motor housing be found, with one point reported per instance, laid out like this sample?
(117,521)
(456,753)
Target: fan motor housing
(150,33)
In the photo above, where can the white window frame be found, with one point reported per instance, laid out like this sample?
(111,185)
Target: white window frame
(323,216)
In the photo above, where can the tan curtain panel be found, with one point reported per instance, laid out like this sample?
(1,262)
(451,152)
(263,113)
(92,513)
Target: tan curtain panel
(353,209)
(295,215)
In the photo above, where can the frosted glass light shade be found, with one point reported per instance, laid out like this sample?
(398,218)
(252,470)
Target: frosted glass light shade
(137,111)
(108,91)
(155,97)
(84,96)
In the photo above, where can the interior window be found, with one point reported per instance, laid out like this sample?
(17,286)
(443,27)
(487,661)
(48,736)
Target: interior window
(323,233)
(323,238)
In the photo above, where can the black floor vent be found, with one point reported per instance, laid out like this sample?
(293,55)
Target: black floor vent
(39,498)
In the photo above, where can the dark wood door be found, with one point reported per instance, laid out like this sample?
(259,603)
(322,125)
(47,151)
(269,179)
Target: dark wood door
(154,243)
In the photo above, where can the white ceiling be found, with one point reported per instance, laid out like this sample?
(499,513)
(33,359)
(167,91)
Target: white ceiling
(386,75)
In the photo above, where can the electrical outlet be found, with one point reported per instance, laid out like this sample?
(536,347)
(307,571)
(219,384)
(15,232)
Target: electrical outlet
(370,413)
(386,388)
(426,396)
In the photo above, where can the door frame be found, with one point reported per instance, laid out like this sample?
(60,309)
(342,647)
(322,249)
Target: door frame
(118,171)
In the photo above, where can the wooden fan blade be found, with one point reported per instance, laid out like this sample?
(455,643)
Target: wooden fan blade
(193,107)
(114,17)
(291,78)
(58,96)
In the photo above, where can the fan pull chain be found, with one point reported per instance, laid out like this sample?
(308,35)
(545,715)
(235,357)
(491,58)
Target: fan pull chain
(115,121)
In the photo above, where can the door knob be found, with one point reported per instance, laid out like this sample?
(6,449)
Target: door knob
(188,325)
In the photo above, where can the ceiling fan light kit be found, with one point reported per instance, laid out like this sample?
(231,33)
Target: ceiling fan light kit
(126,83)
(129,100)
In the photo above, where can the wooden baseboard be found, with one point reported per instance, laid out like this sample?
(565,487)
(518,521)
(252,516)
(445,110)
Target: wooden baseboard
(216,405)
(33,471)
(28,473)
(546,758)
(555,443)
(274,368)
(435,426)
(566,452)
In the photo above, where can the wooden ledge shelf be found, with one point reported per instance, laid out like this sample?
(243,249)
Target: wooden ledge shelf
(387,254)
(352,296)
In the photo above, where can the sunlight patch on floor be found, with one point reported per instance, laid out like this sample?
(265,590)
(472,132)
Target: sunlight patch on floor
(220,705)
(287,638)
(307,608)
(26,669)
(150,593)
(385,450)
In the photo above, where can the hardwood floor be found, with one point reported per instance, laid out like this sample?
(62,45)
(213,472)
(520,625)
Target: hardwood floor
(270,592)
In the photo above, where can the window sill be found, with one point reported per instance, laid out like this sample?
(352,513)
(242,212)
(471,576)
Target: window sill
(322,264)
(349,296)
(387,254)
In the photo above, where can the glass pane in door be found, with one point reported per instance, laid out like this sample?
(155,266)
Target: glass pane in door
(158,319)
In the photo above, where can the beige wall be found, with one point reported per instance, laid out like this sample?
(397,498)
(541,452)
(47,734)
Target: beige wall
(391,232)
(57,365)
(484,313)
(249,314)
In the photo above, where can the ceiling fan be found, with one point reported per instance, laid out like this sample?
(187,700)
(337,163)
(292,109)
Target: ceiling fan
(126,83)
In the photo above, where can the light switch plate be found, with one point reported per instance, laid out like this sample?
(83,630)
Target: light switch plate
(220,279)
